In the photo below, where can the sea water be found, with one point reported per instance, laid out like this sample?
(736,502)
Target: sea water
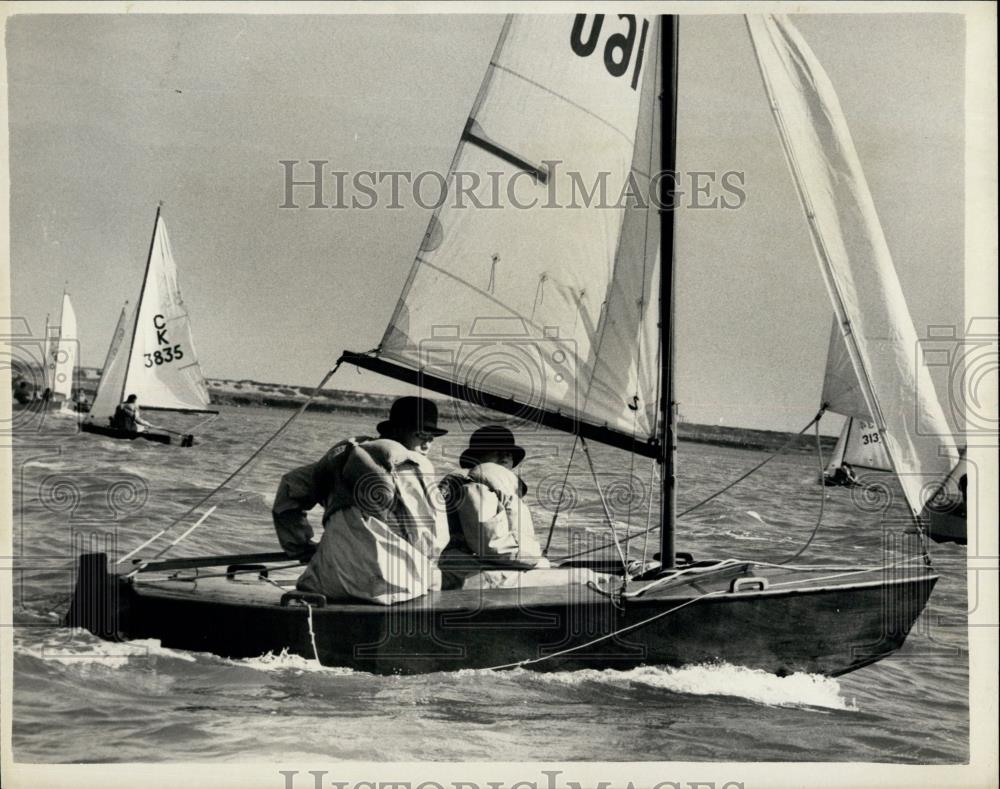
(80,699)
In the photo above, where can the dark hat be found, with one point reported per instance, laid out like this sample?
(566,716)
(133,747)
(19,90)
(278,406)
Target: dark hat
(412,413)
(491,438)
(131,398)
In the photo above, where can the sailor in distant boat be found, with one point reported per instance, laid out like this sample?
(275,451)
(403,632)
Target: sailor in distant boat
(384,519)
(128,418)
(490,525)
(842,475)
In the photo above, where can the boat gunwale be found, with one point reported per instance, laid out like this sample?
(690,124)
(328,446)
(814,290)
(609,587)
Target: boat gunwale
(479,599)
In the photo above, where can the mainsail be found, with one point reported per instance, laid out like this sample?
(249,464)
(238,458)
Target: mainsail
(64,352)
(857,267)
(163,368)
(538,276)
(153,356)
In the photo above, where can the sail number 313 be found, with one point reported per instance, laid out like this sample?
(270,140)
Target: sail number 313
(618,48)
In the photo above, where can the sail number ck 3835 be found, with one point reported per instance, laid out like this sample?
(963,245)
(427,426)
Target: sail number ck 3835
(619,47)
(166,353)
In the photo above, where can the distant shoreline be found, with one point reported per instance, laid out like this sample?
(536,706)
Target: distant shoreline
(255,394)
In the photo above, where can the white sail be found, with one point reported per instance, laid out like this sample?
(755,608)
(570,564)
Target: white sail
(841,390)
(47,363)
(109,388)
(64,352)
(163,368)
(556,307)
(855,260)
(861,446)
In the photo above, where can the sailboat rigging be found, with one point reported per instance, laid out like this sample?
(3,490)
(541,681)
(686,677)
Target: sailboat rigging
(151,353)
(574,332)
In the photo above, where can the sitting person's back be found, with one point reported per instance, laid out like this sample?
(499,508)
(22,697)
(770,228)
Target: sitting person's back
(384,526)
(489,523)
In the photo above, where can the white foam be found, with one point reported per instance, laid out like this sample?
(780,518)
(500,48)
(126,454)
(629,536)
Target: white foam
(284,661)
(796,690)
(105,653)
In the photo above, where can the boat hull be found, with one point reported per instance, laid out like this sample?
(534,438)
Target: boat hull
(947,527)
(110,432)
(822,629)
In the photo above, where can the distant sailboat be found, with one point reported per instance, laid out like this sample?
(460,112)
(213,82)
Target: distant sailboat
(565,318)
(926,459)
(152,354)
(60,352)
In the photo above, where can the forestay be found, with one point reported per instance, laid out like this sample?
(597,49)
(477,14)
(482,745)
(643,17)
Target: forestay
(541,282)
(162,366)
(855,261)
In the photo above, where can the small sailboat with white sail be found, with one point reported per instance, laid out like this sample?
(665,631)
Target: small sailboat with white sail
(61,351)
(151,355)
(565,319)
(927,460)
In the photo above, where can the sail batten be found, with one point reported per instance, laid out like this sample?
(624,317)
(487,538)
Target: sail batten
(572,282)
(854,260)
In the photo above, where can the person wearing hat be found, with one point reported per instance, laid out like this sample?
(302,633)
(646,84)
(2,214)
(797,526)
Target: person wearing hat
(489,523)
(383,520)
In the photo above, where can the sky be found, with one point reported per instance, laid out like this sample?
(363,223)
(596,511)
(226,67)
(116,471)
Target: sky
(109,114)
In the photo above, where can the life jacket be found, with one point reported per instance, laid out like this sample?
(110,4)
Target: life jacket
(124,418)
(487,517)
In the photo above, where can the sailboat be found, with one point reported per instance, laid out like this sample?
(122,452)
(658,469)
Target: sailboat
(934,461)
(859,446)
(565,319)
(61,351)
(151,353)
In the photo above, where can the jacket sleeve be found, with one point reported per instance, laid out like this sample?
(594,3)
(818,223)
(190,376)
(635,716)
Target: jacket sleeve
(486,526)
(296,495)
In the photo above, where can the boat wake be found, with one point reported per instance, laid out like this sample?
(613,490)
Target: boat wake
(722,679)
(69,650)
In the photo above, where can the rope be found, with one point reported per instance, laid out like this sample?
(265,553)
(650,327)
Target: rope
(562,495)
(312,633)
(607,510)
(822,501)
(769,458)
(613,634)
(230,478)
(161,532)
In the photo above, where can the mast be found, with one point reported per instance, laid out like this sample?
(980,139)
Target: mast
(668,405)
(138,304)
